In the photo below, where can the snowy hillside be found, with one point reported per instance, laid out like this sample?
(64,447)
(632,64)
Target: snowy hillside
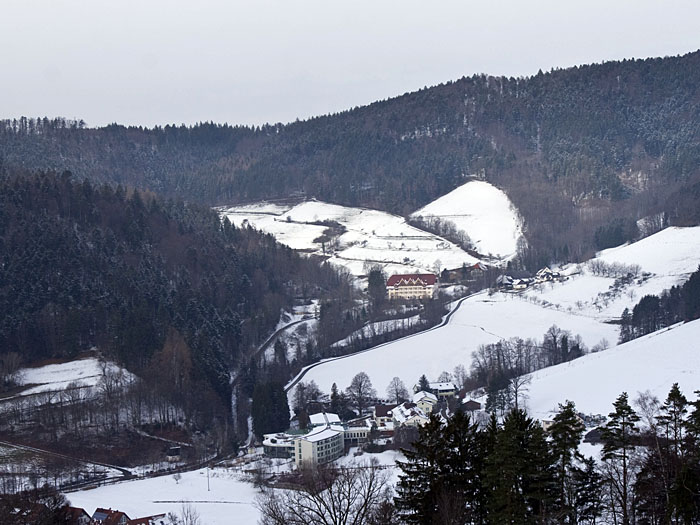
(368,236)
(484,213)
(81,372)
(477,320)
(581,305)
(653,362)
(667,257)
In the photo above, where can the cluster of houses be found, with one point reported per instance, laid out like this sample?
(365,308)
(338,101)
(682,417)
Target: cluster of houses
(78,516)
(330,438)
(545,275)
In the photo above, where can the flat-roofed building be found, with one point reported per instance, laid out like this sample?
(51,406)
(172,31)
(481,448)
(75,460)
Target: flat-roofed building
(321,445)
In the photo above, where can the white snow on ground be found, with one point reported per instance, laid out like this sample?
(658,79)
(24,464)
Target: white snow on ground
(484,213)
(229,500)
(371,236)
(87,372)
(481,319)
(653,362)
(670,255)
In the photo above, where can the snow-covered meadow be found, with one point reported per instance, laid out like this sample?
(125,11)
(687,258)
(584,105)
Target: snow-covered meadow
(478,209)
(484,213)
(87,372)
(224,499)
(480,319)
(651,363)
(664,259)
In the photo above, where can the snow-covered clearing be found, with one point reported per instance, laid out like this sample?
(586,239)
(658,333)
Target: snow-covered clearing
(653,362)
(370,236)
(670,256)
(484,213)
(85,372)
(227,500)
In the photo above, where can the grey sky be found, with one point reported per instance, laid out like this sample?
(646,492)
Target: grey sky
(171,61)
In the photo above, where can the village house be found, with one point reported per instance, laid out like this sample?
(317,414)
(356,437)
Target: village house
(411,286)
(408,414)
(109,517)
(358,430)
(382,414)
(158,519)
(279,445)
(471,406)
(443,390)
(77,516)
(425,401)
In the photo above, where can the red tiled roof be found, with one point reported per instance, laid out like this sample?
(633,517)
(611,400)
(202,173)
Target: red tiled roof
(411,279)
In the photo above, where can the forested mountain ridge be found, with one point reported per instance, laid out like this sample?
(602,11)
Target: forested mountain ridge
(138,277)
(563,145)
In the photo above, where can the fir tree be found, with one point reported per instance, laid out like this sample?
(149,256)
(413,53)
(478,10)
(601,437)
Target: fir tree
(420,483)
(618,437)
(565,434)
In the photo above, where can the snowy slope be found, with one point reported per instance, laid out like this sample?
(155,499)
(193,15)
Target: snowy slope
(578,305)
(484,213)
(370,236)
(669,256)
(653,362)
(85,372)
(479,319)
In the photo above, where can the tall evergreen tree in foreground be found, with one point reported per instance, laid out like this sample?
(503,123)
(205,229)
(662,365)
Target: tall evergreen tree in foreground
(618,437)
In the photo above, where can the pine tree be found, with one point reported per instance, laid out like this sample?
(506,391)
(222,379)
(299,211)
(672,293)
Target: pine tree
(519,472)
(588,486)
(618,437)
(420,483)
(565,434)
(463,470)
(423,384)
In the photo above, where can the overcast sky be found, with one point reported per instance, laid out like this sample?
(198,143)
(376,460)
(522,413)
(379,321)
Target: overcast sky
(171,61)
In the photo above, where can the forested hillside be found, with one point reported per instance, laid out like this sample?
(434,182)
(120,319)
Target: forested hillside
(146,281)
(574,149)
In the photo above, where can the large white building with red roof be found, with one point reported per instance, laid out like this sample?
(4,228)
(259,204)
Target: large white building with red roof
(411,286)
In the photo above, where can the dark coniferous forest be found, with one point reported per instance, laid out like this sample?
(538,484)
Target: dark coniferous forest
(134,275)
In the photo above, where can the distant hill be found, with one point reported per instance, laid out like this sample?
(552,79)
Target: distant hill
(573,149)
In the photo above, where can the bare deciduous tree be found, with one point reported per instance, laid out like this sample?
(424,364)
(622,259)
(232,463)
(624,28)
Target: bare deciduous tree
(397,391)
(361,391)
(354,494)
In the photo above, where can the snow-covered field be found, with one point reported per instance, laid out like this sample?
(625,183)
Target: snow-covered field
(484,213)
(571,305)
(225,500)
(480,319)
(85,372)
(670,256)
(370,236)
(653,362)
